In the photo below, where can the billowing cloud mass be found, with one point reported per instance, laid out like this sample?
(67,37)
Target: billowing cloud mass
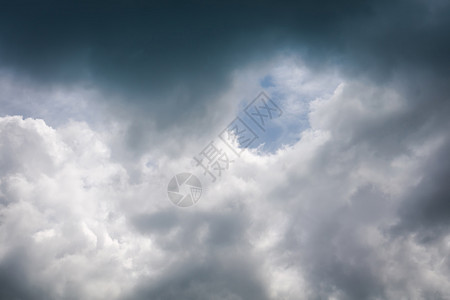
(346,197)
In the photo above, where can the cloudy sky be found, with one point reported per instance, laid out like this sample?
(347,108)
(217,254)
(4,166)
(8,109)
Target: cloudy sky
(345,195)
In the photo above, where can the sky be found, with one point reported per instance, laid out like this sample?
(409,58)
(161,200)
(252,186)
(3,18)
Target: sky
(342,195)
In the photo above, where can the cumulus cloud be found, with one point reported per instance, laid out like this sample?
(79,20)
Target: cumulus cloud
(335,220)
(346,198)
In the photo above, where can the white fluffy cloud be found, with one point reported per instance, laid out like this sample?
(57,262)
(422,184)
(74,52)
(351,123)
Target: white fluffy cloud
(61,219)
(318,218)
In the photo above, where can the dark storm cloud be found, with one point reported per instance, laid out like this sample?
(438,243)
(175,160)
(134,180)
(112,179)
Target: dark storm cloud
(214,277)
(426,208)
(166,55)
(161,55)
(211,257)
(163,63)
(15,280)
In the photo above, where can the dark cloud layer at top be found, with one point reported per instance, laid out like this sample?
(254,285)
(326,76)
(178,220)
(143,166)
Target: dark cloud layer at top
(162,55)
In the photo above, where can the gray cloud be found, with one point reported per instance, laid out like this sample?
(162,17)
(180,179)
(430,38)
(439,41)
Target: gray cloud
(164,65)
(355,208)
(169,58)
